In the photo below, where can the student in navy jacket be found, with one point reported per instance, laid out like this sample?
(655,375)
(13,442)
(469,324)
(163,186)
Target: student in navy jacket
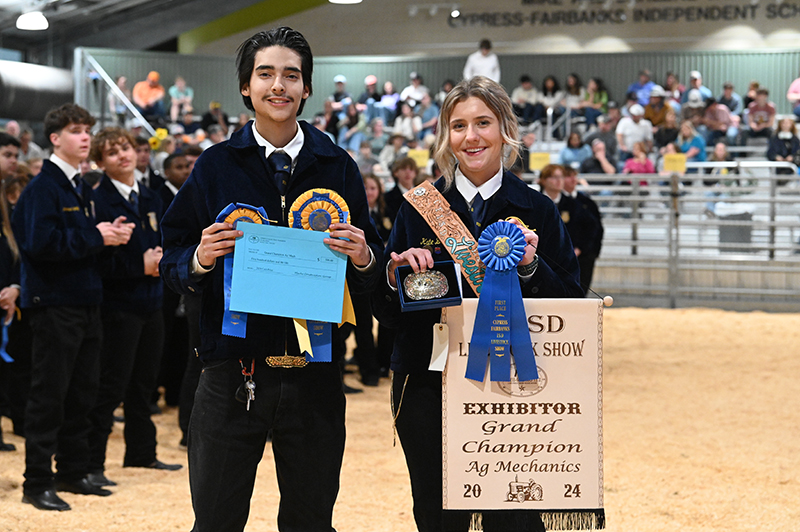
(133,326)
(59,240)
(477,136)
(9,293)
(303,406)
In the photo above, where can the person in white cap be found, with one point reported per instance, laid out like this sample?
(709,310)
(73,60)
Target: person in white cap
(371,95)
(696,82)
(656,110)
(340,97)
(413,93)
(694,108)
(633,129)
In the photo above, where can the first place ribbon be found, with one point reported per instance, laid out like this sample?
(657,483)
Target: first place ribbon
(501,328)
(235,323)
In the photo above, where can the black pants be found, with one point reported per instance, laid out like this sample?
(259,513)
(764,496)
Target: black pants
(365,353)
(304,408)
(129,365)
(173,360)
(65,366)
(20,341)
(586,262)
(191,375)
(419,426)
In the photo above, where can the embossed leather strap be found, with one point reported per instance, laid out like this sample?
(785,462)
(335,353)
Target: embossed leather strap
(450,230)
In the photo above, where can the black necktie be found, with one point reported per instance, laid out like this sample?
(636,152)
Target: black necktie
(78,185)
(282,166)
(134,199)
(478,210)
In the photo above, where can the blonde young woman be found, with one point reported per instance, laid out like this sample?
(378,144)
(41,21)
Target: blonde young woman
(475,144)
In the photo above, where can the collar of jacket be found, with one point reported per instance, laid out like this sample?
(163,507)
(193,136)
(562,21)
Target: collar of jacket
(513,191)
(315,145)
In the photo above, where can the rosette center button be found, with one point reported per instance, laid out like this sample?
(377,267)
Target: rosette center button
(501,247)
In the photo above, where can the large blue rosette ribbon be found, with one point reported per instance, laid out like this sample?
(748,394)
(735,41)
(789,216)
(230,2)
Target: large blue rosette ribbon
(235,323)
(501,327)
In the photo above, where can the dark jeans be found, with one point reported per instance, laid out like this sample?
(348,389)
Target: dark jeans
(191,374)
(304,408)
(132,346)
(65,368)
(419,426)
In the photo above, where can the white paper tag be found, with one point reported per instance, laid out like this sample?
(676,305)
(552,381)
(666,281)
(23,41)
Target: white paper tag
(441,342)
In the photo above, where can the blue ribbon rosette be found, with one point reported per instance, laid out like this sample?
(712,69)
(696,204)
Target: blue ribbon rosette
(501,327)
(235,323)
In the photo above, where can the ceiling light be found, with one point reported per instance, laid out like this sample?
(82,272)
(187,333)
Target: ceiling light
(32,21)
(455,13)
(344,1)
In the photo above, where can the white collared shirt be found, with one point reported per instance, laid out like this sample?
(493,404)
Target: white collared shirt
(69,170)
(486,190)
(292,149)
(125,190)
(171,187)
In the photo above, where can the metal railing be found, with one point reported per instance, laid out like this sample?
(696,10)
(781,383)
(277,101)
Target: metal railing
(697,238)
(92,84)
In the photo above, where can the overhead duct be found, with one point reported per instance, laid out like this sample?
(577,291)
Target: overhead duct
(28,91)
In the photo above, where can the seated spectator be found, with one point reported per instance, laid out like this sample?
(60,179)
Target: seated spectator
(395,149)
(674,90)
(412,94)
(27,148)
(190,126)
(630,100)
(631,130)
(321,123)
(669,149)
(574,93)
(696,82)
(793,95)
(719,155)
(524,99)
(575,152)
(215,136)
(371,95)
(244,119)
(352,129)
(694,108)
(550,97)
(365,160)
(595,102)
(180,99)
(447,86)
(667,133)
(606,133)
(407,124)
(599,162)
(656,110)
(340,99)
(428,113)
(784,145)
(148,96)
(331,120)
(215,115)
(642,87)
(750,96)
(165,149)
(639,163)
(388,103)
(614,115)
(720,123)
(760,115)
(730,99)
(115,103)
(377,137)
(691,143)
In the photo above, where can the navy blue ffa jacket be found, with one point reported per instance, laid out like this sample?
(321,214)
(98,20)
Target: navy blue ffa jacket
(237,171)
(125,286)
(58,241)
(9,267)
(556,276)
(583,228)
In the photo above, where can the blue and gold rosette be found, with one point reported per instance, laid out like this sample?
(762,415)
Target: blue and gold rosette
(316,210)
(501,328)
(235,323)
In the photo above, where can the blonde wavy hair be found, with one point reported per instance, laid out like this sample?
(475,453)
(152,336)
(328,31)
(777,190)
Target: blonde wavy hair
(496,99)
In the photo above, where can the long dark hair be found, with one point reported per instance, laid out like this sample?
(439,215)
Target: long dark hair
(556,86)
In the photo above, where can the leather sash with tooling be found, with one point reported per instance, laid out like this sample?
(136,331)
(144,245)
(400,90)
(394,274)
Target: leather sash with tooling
(451,231)
(316,210)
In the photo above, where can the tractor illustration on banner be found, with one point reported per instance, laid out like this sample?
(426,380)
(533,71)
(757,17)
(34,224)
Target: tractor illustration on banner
(524,491)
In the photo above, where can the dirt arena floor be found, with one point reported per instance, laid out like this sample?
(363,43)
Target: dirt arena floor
(702,433)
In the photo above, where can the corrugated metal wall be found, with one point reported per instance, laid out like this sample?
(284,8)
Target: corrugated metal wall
(215,77)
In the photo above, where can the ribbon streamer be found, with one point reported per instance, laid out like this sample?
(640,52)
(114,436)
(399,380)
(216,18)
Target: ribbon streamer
(3,353)
(316,210)
(501,329)
(235,323)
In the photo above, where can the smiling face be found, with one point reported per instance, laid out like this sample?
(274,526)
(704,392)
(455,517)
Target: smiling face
(276,87)
(118,160)
(476,140)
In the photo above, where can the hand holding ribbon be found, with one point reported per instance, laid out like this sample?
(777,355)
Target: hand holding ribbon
(500,323)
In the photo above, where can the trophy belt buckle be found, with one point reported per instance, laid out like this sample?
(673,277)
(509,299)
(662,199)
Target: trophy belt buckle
(430,284)
(287,361)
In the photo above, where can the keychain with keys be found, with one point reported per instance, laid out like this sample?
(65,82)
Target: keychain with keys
(246,391)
